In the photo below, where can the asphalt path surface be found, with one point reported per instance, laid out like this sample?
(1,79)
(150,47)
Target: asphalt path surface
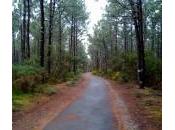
(92,111)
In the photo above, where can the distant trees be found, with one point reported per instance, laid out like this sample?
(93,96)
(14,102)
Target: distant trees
(132,27)
(51,34)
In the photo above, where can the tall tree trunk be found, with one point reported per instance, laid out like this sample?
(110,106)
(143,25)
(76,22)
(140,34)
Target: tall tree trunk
(50,38)
(60,41)
(28,30)
(141,64)
(42,34)
(51,16)
(76,44)
(14,48)
(71,42)
(161,40)
(125,36)
(153,37)
(138,23)
(74,47)
(144,21)
(116,38)
(97,60)
(105,55)
(24,32)
(131,38)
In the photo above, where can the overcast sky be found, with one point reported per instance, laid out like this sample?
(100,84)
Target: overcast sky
(96,9)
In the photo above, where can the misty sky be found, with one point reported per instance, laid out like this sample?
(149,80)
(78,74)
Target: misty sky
(96,9)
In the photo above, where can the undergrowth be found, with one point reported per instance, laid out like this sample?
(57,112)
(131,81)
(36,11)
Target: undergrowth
(31,81)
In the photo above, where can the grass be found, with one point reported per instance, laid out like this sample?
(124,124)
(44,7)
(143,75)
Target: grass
(150,100)
(73,80)
(22,101)
(25,70)
(30,82)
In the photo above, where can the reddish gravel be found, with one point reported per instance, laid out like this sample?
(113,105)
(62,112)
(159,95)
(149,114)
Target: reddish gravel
(129,113)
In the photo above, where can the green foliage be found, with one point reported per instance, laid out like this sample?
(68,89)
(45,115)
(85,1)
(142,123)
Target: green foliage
(95,72)
(20,100)
(124,68)
(45,89)
(26,77)
(19,71)
(116,75)
(153,68)
(72,79)
(130,67)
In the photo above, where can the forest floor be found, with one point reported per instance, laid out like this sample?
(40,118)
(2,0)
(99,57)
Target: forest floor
(134,108)
(120,106)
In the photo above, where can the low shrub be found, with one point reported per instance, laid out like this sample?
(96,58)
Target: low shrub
(153,67)
(116,75)
(45,89)
(25,70)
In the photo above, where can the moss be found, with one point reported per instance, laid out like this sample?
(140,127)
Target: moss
(21,101)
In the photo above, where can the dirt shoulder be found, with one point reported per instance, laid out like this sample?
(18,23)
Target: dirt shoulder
(45,109)
(134,108)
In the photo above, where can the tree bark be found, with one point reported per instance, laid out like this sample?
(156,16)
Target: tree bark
(60,40)
(125,36)
(28,30)
(51,16)
(131,39)
(74,47)
(24,32)
(138,23)
(116,38)
(42,34)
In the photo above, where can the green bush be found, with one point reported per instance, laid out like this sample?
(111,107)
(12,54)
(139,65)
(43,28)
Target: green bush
(26,77)
(45,89)
(126,66)
(20,100)
(94,72)
(153,67)
(116,76)
(25,70)
(27,83)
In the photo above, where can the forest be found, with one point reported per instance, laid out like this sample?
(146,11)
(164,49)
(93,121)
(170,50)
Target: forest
(47,40)
(50,47)
(122,49)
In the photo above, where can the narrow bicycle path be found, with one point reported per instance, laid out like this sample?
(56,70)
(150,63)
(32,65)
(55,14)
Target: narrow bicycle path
(92,111)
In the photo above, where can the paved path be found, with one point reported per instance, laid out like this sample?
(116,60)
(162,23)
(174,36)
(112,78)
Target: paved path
(91,111)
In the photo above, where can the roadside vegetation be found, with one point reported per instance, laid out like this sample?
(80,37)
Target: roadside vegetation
(116,49)
(31,83)
(126,47)
(47,47)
